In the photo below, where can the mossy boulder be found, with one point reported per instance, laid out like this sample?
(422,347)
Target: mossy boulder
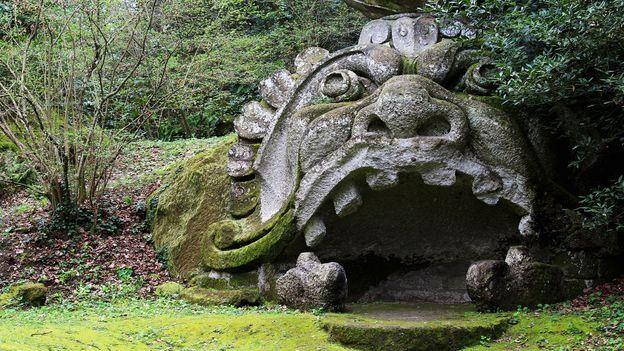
(216,297)
(169,289)
(192,199)
(27,294)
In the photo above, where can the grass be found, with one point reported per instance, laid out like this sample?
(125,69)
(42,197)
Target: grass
(145,161)
(164,324)
(543,331)
(159,325)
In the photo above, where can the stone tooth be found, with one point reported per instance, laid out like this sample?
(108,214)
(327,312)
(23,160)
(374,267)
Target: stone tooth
(381,180)
(240,160)
(243,197)
(347,200)
(315,232)
(255,120)
(277,88)
(489,198)
(527,226)
(487,188)
(439,176)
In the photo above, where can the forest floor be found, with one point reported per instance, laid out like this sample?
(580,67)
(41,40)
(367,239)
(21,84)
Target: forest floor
(117,258)
(102,285)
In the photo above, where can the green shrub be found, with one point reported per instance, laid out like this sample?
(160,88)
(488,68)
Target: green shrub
(565,54)
(217,51)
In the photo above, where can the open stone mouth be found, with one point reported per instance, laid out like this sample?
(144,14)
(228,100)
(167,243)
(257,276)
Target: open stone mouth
(361,121)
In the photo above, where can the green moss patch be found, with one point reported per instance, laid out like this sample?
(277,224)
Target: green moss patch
(214,297)
(195,196)
(453,330)
(543,331)
(27,294)
(269,245)
(160,325)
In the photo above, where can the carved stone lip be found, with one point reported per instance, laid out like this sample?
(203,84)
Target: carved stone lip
(381,160)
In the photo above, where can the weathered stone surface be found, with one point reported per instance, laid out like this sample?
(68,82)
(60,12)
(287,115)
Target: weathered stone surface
(276,164)
(255,120)
(369,156)
(436,61)
(405,108)
(380,8)
(312,284)
(451,28)
(481,78)
(240,160)
(347,199)
(277,89)
(410,35)
(375,32)
(587,264)
(315,232)
(309,59)
(342,85)
(518,281)
(224,280)
(215,297)
(243,197)
(413,327)
(191,200)
(438,283)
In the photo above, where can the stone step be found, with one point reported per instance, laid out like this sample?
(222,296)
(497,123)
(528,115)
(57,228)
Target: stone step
(412,327)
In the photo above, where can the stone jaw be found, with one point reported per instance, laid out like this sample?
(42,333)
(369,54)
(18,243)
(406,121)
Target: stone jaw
(437,159)
(310,152)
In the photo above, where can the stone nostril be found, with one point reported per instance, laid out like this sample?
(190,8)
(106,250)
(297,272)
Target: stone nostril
(436,126)
(378,127)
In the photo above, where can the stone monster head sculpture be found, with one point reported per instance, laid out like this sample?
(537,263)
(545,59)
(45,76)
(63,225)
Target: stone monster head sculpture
(404,101)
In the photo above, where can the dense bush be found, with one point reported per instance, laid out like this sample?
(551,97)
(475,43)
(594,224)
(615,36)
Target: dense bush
(563,59)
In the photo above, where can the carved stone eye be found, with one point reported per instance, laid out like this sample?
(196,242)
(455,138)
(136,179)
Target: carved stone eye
(375,32)
(411,35)
(342,85)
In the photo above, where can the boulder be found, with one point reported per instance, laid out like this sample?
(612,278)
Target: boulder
(216,297)
(169,289)
(312,284)
(27,294)
(517,281)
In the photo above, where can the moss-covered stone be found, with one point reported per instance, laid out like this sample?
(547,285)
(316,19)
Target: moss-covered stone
(215,297)
(221,281)
(27,294)
(452,332)
(194,197)
(262,243)
(169,289)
